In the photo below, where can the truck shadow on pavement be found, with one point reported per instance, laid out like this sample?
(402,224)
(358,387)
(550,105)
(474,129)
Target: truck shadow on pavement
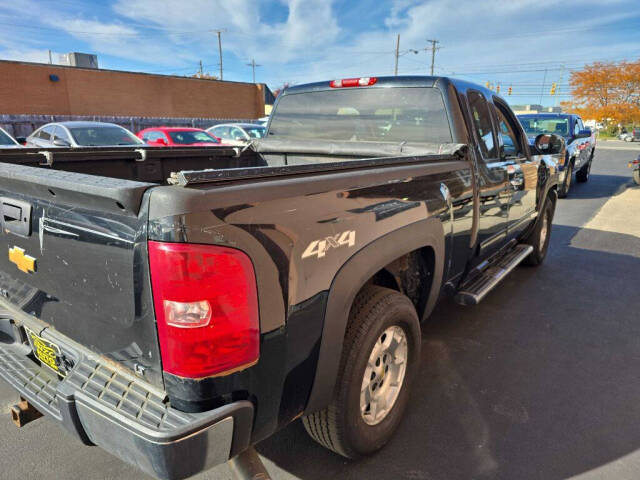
(598,186)
(539,381)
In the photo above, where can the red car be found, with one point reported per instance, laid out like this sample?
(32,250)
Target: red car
(178,137)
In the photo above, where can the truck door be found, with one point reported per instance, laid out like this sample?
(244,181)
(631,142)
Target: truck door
(493,181)
(521,169)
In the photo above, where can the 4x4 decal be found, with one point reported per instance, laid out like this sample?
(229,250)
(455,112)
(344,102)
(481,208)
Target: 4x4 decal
(318,248)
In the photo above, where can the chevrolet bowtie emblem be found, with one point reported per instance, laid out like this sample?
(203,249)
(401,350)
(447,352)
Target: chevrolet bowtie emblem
(26,263)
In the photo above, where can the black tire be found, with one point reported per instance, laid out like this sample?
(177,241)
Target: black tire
(536,239)
(566,185)
(340,427)
(582,175)
(636,176)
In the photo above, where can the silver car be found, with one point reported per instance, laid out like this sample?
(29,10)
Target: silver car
(81,134)
(237,134)
(7,141)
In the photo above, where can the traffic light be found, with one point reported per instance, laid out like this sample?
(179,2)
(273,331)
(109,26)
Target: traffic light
(553,88)
(509,91)
(498,88)
(488,84)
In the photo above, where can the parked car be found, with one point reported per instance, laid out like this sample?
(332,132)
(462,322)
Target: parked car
(635,165)
(7,141)
(237,134)
(81,134)
(581,144)
(632,136)
(177,321)
(178,136)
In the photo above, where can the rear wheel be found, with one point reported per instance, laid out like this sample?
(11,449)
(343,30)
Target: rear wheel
(541,235)
(380,359)
(582,175)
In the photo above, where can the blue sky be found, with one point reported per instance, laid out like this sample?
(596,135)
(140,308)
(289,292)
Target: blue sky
(525,44)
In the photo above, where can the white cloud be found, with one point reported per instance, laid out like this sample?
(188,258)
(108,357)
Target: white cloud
(309,24)
(28,55)
(308,42)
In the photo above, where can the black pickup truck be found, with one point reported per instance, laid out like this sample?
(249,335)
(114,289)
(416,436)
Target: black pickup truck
(176,306)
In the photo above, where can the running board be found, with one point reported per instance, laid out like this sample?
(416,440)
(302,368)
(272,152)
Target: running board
(475,289)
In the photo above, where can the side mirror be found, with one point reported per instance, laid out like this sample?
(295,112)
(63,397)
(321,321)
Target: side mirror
(21,140)
(58,142)
(549,144)
(161,141)
(586,133)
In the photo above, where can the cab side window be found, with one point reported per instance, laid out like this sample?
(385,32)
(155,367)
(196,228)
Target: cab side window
(45,133)
(482,125)
(61,134)
(221,132)
(152,136)
(508,139)
(237,134)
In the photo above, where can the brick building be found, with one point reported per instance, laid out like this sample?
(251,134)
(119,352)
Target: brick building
(33,88)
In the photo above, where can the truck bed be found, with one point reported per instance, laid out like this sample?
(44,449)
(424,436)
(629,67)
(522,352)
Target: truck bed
(85,218)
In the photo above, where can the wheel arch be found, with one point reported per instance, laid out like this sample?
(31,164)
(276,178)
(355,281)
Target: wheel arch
(426,236)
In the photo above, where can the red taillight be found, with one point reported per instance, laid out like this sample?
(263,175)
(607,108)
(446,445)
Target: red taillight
(353,82)
(206,307)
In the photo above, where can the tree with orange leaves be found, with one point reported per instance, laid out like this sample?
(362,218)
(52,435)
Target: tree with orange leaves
(608,92)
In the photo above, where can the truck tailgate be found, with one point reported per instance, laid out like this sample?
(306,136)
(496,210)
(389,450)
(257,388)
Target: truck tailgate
(75,258)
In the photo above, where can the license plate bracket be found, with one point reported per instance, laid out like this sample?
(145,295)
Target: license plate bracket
(47,352)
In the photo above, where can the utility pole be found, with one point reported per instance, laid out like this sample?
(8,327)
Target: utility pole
(397,55)
(253,66)
(200,70)
(544,79)
(555,103)
(220,31)
(433,53)
(50,60)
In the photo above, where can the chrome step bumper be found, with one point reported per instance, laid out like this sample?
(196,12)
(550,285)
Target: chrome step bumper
(104,405)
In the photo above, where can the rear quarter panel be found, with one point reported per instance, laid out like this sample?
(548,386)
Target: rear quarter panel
(280,223)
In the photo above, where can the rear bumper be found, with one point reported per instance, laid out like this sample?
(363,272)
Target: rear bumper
(107,406)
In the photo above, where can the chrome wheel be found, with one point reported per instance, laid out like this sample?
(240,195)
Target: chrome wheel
(544,229)
(384,375)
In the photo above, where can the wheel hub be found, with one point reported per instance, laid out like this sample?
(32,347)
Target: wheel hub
(384,375)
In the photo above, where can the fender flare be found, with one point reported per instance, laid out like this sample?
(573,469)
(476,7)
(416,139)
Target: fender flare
(348,282)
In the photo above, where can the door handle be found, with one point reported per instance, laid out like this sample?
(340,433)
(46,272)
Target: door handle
(16,216)
(516,176)
(517,183)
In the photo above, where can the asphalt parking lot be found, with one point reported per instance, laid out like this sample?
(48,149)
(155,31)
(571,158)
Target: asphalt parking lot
(540,381)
